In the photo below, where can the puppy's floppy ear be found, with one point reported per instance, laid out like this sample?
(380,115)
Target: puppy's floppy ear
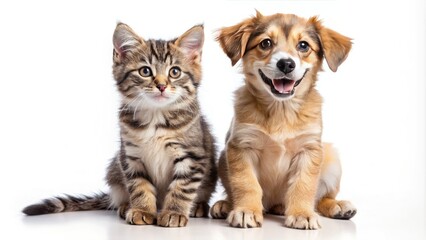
(233,39)
(336,47)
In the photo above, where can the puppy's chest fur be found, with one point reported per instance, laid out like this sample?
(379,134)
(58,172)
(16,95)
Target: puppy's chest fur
(276,157)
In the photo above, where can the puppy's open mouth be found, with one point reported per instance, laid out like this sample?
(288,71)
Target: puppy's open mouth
(282,87)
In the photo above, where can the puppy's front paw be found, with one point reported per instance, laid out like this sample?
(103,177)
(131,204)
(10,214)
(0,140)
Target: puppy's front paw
(302,221)
(139,217)
(245,218)
(172,219)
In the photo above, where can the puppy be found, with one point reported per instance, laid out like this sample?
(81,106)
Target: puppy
(274,160)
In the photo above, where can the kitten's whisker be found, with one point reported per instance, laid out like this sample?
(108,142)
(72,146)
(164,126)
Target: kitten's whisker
(127,105)
(137,105)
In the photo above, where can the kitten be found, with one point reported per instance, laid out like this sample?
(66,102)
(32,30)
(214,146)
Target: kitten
(167,156)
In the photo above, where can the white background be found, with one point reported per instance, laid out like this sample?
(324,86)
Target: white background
(58,103)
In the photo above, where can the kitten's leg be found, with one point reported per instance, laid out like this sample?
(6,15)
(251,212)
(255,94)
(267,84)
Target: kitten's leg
(221,208)
(122,210)
(142,209)
(118,190)
(201,207)
(120,198)
(189,172)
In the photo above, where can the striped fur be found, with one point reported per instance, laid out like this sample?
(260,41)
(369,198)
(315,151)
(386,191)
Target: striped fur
(165,169)
(69,203)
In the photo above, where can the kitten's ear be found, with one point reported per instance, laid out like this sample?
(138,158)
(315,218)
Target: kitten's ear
(191,42)
(125,41)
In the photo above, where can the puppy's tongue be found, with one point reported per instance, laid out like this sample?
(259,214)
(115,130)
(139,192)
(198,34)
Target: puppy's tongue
(283,85)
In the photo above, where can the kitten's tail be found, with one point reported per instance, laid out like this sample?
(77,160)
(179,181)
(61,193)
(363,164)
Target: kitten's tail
(69,203)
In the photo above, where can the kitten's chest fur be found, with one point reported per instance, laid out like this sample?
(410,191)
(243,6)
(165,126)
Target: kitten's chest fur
(149,145)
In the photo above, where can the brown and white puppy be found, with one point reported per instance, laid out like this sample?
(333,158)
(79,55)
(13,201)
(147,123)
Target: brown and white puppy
(274,160)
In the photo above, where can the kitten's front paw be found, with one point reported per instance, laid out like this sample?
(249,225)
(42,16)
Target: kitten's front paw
(200,210)
(122,210)
(245,218)
(220,209)
(172,219)
(139,217)
(302,221)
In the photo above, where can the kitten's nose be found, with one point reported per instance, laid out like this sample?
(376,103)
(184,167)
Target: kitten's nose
(161,87)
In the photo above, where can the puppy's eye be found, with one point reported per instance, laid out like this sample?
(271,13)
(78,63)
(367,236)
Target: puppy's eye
(175,72)
(145,72)
(265,44)
(302,46)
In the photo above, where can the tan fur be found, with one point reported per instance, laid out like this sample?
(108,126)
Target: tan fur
(274,159)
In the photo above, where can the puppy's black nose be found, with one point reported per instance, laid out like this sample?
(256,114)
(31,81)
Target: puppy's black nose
(286,65)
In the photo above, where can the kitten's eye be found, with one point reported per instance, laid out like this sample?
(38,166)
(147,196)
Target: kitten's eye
(303,46)
(265,44)
(175,72)
(145,72)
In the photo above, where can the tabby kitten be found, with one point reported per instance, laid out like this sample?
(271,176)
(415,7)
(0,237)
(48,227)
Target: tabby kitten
(167,156)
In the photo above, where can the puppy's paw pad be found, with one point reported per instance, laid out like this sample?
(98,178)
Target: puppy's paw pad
(200,210)
(139,217)
(172,219)
(306,221)
(343,210)
(245,218)
(220,209)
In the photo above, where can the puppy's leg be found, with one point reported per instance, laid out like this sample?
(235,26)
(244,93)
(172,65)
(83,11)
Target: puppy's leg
(245,189)
(302,184)
(328,188)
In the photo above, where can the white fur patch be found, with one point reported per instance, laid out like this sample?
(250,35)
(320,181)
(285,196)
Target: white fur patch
(58,204)
(329,178)
(183,167)
(271,70)
(156,100)
(119,195)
